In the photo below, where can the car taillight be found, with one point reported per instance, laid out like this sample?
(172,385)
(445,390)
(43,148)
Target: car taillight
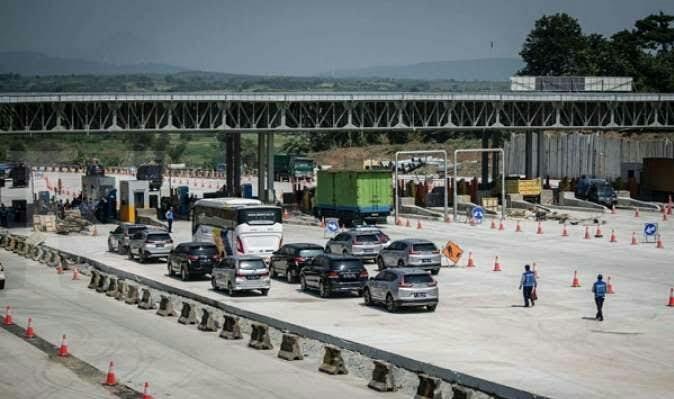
(216,258)
(299,259)
(363,274)
(239,274)
(332,275)
(239,246)
(354,242)
(433,283)
(414,253)
(192,257)
(436,251)
(170,241)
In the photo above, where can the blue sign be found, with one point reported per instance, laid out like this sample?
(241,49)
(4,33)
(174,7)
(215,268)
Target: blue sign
(332,225)
(477,213)
(650,229)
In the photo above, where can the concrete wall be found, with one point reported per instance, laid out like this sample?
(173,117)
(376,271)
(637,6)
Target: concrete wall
(576,154)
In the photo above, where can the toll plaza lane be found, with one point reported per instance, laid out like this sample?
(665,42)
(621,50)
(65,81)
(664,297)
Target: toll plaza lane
(479,327)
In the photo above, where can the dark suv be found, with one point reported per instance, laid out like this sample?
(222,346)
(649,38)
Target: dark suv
(334,273)
(290,258)
(192,259)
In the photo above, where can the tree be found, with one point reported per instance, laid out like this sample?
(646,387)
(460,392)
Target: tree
(554,47)
(656,33)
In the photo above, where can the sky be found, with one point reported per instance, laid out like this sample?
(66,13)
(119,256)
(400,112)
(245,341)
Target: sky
(294,37)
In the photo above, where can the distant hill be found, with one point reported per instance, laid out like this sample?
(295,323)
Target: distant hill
(32,63)
(485,69)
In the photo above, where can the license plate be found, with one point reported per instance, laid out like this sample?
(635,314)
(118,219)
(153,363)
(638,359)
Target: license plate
(420,295)
(368,250)
(254,277)
(348,275)
(159,245)
(426,260)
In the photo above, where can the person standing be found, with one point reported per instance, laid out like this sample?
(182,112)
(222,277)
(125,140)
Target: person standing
(528,285)
(169,218)
(599,289)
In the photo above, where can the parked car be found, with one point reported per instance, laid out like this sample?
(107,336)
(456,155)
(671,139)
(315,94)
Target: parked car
(2,277)
(241,273)
(192,259)
(363,244)
(418,253)
(397,288)
(334,273)
(118,239)
(150,244)
(290,258)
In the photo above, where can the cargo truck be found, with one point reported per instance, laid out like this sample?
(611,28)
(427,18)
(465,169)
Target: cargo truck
(293,167)
(657,179)
(152,173)
(354,197)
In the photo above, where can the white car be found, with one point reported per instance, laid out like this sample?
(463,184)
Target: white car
(2,277)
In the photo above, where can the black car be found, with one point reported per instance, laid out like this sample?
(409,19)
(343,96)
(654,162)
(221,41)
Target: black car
(192,259)
(334,273)
(290,258)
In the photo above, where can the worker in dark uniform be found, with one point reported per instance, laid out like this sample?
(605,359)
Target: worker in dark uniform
(528,285)
(599,290)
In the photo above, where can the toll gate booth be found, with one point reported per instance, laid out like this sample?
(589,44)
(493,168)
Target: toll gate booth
(133,195)
(96,188)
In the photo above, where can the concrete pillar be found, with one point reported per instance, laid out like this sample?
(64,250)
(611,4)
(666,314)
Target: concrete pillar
(270,167)
(236,170)
(485,161)
(540,161)
(229,164)
(495,161)
(528,154)
(261,167)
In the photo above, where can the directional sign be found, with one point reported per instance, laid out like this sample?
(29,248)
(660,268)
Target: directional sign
(650,229)
(331,226)
(477,213)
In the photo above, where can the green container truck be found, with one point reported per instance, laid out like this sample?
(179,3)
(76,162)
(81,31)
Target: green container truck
(293,167)
(354,196)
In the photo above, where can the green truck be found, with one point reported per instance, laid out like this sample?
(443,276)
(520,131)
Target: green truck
(354,196)
(289,167)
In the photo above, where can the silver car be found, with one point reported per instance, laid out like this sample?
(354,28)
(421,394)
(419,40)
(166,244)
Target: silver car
(241,273)
(362,244)
(150,244)
(2,277)
(418,253)
(118,239)
(396,288)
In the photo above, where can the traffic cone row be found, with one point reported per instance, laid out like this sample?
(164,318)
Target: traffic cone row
(671,297)
(598,233)
(146,392)
(576,282)
(76,273)
(407,223)
(111,378)
(419,225)
(636,212)
(664,216)
(658,243)
(285,214)
(587,233)
(493,224)
(613,209)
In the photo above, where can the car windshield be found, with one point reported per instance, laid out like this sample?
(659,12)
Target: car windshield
(251,264)
(158,237)
(425,247)
(418,278)
(367,238)
(348,264)
(310,253)
(204,250)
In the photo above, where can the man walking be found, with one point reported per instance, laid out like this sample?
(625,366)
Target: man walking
(169,219)
(528,285)
(599,289)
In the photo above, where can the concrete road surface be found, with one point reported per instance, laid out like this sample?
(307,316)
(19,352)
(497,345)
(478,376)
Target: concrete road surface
(178,361)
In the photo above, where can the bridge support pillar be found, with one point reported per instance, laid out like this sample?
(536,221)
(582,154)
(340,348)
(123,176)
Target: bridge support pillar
(540,155)
(485,161)
(233,164)
(261,167)
(528,154)
(271,196)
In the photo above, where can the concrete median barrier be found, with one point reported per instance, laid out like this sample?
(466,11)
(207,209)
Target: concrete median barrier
(188,314)
(429,388)
(36,254)
(120,294)
(259,337)
(207,322)
(146,301)
(131,297)
(28,251)
(11,246)
(166,307)
(231,328)
(332,363)
(382,377)
(93,282)
(51,258)
(46,254)
(112,287)
(290,347)
(103,284)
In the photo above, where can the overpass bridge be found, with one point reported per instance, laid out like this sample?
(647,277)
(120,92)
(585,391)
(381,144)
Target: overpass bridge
(267,113)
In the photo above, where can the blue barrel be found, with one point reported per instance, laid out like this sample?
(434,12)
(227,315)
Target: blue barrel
(247,190)
(43,196)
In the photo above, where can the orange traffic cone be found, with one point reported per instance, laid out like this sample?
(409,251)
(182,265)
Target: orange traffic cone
(658,243)
(111,378)
(609,288)
(407,223)
(634,238)
(7,320)
(575,283)
(419,225)
(471,221)
(587,233)
(598,233)
(30,333)
(398,222)
(565,232)
(518,229)
(471,262)
(448,219)
(497,265)
(493,224)
(501,227)
(536,271)
(539,230)
(671,297)
(94,232)
(59,268)
(146,390)
(76,273)
(63,349)
(636,212)
(613,238)
(613,209)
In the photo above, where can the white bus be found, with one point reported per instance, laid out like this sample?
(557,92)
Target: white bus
(238,226)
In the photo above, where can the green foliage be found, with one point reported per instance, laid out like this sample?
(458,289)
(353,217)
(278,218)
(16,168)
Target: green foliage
(557,46)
